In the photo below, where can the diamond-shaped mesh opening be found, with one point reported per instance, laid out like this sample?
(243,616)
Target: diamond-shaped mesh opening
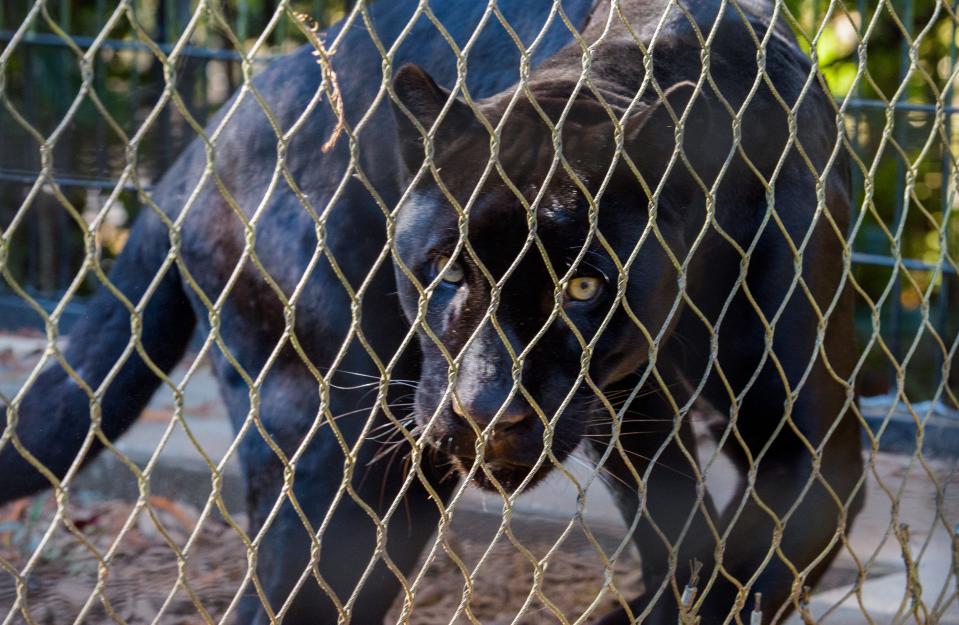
(291,332)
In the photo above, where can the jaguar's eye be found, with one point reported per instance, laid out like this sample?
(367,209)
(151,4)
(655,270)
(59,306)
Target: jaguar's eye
(452,272)
(583,288)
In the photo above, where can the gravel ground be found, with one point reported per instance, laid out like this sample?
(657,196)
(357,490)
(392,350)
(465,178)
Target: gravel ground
(143,569)
(143,566)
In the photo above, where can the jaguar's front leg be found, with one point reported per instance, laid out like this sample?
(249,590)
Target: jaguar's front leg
(655,482)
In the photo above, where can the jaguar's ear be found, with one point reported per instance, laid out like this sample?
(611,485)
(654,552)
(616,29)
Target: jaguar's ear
(650,136)
(423,100)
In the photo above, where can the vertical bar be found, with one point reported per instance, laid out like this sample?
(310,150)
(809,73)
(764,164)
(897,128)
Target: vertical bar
(265,14)
(243,17)
(280,30)
(202,102)
(101,165)
(859,115)
(242,28)
(31,112)
(99,85)
(900,211)
(34,113)
(135,91)
(135,100)
(63,231)
(187,76)
(169,10)
(3,216)
(65,16)
(942,316)
(163,122)
(175,27)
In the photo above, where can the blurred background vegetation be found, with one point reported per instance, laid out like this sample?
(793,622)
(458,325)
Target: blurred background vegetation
(906,156)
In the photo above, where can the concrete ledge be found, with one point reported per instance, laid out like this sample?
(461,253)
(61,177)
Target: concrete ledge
(940,426)
(108,477)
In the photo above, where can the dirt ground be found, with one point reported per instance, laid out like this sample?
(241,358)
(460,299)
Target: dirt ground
(141,579)
(143,570)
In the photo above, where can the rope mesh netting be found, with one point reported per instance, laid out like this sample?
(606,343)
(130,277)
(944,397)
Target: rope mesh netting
(646,247)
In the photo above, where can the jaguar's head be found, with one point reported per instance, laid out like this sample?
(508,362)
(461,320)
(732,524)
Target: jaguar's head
(533,282)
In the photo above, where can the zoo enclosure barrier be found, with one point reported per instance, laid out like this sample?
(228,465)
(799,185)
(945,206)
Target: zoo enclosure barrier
(74,184)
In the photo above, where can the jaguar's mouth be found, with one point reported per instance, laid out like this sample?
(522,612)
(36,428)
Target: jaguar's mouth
(513,455)
(498,472)
(493,476)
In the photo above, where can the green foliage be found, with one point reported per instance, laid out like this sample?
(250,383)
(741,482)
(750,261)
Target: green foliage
(908,159)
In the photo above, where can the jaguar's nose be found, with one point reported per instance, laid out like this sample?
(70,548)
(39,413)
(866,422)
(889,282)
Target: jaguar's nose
(481,411)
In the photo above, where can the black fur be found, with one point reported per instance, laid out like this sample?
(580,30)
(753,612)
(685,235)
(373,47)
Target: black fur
(674,518)
(54,416)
